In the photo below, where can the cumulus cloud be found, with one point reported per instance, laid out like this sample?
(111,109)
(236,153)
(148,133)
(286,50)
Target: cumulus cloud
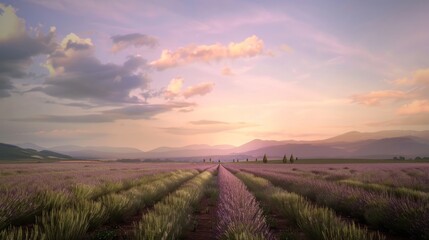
(250,47)
(121,42)
(199,89)
(75,73)
(376,97)
(133,112)
(17,47)
(414,107)
(174,88)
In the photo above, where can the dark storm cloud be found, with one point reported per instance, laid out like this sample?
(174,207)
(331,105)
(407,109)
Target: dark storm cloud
(120,42)
(77,74)
(17,48)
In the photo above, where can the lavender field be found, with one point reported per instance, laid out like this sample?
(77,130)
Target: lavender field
(94,200)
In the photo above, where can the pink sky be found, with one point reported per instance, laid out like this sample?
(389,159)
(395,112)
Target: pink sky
(148,74)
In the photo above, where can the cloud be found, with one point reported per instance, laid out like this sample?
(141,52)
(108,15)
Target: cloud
(206,126)
(226,71)
(75,73)
(404,120)
(376,97)
(414,111)
(415,107)
(220,25)
(199,89)
(63,133)
(286,48)
(121,42)
(146,111)
(207,122)
(250,47)
(131,112)
(174,88)
(17,48)
(205,130)
(419,77)
(73,104)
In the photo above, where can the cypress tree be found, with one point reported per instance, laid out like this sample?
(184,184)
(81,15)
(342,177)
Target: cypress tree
(292,159)
(265,160)
(284,159)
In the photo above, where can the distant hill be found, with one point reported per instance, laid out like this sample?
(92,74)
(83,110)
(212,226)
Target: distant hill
(389,147)
(382,144)
(98,152)
(360,136)
(30,145)
(380,148)
(300,150)
(74,148)
(11,153)
(191,148)
(257,144)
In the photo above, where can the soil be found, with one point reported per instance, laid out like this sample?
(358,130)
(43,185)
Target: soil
(281,228)
(203,224)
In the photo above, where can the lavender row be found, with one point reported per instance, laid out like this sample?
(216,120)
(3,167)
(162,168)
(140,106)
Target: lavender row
(408,175)
(19,203)
(239,214)
(403,216)
(56,176)
(316,222)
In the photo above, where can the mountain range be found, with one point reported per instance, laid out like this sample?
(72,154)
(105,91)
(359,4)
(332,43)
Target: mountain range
(11,153)
(382,144)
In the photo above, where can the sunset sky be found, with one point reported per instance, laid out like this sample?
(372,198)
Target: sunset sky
(171,73)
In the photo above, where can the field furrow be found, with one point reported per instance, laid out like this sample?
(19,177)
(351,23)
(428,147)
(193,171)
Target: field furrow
(203,222)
